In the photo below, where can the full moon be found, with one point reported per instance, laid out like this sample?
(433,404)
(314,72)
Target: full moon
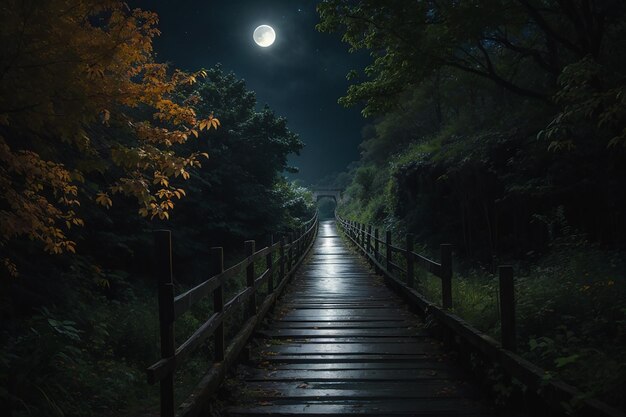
(264,36)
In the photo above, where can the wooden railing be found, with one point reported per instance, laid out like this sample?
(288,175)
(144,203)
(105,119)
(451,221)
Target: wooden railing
(370,244)
(281,260)
(554,393)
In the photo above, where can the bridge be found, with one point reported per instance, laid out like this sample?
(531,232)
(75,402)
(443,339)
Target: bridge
(333,325)
(334,193)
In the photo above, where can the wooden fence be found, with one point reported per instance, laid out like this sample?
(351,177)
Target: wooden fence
(554,393)
(281,261)
(371,245)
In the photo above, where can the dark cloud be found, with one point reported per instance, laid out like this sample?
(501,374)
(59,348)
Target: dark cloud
(301,76)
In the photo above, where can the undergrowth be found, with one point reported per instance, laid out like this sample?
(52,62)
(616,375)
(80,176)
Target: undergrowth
(570,314)
(89,358)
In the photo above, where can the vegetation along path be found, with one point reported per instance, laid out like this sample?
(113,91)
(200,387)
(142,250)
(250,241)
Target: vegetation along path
(340,342)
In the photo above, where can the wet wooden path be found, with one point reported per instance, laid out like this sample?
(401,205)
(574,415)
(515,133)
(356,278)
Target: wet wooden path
(341,343)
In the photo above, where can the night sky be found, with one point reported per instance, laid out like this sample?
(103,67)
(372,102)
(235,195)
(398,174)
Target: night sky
(300,76)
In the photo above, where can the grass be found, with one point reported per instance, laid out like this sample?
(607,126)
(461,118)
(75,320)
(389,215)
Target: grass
(91,360)
(570,312)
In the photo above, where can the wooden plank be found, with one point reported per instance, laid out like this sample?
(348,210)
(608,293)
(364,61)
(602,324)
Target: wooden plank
(352,390)
(349,340)
(421,363)
(411,407)
(314,375)
(381,333)
(373,324)
(353,349)
(351,312)
(328,358)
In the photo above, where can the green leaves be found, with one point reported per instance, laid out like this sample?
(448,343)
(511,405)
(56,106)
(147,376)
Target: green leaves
(566,360)
(66,328)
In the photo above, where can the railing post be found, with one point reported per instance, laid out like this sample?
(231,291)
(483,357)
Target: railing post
(369,239)
(376,248)
(268,264)
(290,262)
(363,235)
(281,273)
(163,270)
(217,267)
(388,251)
(446,275)
(299,244)
(297,253)
(507,307)
(409,260)
(249,247)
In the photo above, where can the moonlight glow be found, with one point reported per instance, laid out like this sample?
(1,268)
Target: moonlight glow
(264,36)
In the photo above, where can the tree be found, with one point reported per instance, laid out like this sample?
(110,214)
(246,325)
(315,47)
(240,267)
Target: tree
(520,45)
(239,193)
(80,93)
(490,114)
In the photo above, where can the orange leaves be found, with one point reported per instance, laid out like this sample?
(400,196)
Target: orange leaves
(10,268)
(160,179)
(174,113)
(99,73)
(104,200)
(42,203)
(209,123)
(59,245)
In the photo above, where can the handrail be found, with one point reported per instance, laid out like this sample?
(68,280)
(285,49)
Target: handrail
(281,257)
(554,392)
(360,235)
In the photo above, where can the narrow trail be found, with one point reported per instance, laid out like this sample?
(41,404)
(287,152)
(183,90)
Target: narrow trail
(341,343)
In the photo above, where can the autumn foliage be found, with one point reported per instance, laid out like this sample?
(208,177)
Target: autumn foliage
(81,94)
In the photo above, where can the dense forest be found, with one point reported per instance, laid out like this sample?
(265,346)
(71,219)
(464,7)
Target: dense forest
(499,127)
(99,146)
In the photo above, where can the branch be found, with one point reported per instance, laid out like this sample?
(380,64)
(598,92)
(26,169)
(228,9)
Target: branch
(534,53)
(548,30)
(499,81)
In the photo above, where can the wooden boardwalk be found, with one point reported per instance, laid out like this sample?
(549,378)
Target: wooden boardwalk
(341,343)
